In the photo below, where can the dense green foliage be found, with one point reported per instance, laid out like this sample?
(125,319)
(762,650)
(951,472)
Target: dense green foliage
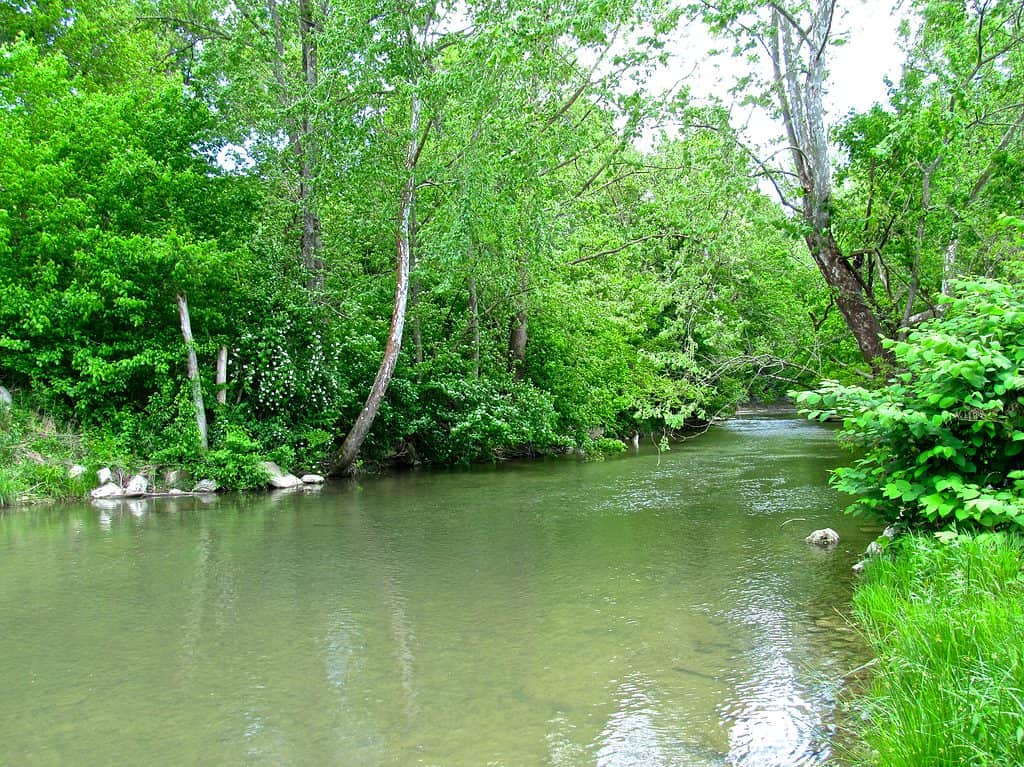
(251,157)
(649,288)
(33,454)
(945,622)
(943,443)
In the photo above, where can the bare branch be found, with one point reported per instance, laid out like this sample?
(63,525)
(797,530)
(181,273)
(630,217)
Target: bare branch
(624,246)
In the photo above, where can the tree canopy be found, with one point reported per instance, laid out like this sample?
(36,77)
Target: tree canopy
(456,231)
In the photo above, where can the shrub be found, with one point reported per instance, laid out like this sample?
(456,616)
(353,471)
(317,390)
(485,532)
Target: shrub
(943,442)
(235,463)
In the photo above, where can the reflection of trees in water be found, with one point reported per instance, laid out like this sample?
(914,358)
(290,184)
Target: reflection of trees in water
(606,613)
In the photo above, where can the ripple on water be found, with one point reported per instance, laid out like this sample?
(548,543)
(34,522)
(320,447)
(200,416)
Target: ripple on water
(648,610)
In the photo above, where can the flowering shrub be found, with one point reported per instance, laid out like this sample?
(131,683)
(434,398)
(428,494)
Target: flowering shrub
(285,363)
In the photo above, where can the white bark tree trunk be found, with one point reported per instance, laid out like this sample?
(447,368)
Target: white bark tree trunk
(193,371)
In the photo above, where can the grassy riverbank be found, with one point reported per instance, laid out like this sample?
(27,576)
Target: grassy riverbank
(946,623)
(36,454)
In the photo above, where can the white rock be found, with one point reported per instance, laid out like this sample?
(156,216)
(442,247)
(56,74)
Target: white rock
(272,469)
(175,491)
(858,568)
(6,400)
(205,486)
(176,478)
(825,537)
(312,479)
(285,481)
(104,475)
(76,471)
(108,490)
(137,486)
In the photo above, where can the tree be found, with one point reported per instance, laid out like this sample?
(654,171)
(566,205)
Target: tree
(929,176)
(430,64)
(794,41)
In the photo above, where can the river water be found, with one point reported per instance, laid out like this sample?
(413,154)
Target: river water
(646,610)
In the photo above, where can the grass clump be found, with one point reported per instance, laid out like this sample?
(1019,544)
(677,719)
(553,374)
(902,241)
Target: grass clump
(946,622)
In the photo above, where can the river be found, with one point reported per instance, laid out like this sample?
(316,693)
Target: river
(646,610)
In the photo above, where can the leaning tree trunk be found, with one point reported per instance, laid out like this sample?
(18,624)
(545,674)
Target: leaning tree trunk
(799,65)
(859,316)
(341,462)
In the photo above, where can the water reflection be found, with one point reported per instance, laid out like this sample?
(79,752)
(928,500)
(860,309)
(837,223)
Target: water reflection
(648,610)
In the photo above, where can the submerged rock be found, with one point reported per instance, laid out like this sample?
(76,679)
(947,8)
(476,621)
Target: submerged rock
(826,538)
(312,479)
(107,490)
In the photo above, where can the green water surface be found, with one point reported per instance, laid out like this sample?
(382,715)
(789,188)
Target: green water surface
(643,610)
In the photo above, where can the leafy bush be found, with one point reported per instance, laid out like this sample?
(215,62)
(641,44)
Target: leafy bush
(35,455)
(235,463)
(479,419)
(943,443)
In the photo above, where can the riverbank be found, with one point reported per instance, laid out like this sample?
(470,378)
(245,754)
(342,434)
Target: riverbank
(43,460)
(36,456)
(946,624)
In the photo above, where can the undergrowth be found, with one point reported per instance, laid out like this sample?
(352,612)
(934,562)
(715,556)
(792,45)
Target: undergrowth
(35,454)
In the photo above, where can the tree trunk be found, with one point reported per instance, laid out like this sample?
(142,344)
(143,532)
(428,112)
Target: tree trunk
(193,371)
(306,150)
(222,375)
(799,66)
(300,132)
(474,324)
(341,462)
(518,337)
(859,316)
(414,291)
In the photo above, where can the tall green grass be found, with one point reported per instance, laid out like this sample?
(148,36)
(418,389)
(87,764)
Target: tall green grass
(946,622)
